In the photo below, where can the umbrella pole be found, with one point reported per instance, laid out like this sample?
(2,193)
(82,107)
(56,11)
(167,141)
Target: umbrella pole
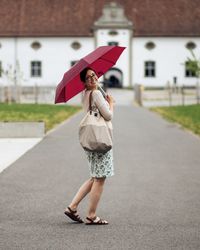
(102,91)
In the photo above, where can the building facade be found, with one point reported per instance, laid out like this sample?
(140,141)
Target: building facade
(35,53)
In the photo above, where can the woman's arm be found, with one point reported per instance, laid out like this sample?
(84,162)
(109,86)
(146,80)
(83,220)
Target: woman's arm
(104,106)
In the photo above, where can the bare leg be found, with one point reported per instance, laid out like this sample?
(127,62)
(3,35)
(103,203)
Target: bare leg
(95,194)
(82,192)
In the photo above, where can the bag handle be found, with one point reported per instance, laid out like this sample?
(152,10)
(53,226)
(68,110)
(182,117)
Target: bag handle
(90,101)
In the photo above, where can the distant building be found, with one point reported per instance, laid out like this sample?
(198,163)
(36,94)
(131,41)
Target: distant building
(41,40)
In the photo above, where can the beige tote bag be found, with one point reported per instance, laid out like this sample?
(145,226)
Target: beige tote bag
(95,133)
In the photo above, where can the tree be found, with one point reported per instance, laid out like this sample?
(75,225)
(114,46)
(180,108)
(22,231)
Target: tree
(12,77)
(193,64)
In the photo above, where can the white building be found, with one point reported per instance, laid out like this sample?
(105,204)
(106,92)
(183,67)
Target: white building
(40,40)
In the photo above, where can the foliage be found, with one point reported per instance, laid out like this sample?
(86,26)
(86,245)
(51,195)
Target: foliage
(193,64)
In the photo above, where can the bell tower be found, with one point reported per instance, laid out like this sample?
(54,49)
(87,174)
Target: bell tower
(114,28)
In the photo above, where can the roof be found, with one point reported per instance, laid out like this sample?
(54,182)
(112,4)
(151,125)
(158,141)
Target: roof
(27,18)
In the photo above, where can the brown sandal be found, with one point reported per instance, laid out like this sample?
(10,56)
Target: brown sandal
(72,215)
(96,221)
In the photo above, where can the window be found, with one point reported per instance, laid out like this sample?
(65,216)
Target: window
(190,69)
(1,69)
(36,69)
(149,69)
(76,45)
(150,45)
(36,45)
(73,63)
(190,45)
(113,33)
(113,43)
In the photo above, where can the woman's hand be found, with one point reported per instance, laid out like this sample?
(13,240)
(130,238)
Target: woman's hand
(110,99)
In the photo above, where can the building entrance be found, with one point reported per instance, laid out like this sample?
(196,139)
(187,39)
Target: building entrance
(113,78)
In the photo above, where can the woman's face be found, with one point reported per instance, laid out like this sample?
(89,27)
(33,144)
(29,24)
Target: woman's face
(91,80)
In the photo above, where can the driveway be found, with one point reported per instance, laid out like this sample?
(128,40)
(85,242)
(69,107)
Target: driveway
(152,202)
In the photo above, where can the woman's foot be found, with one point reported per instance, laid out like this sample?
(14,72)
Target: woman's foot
(72,214)
(95,221)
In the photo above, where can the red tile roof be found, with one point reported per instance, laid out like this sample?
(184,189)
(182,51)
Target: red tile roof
(76,17)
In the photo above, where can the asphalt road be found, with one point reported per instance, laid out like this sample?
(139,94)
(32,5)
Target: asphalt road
(152,202)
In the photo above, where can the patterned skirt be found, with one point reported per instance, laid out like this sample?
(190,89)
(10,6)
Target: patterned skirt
(100,164)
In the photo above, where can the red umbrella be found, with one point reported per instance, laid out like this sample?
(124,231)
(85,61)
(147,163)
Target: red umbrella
(100,60)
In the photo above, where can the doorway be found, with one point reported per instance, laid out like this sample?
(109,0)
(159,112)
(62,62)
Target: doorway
(113,78)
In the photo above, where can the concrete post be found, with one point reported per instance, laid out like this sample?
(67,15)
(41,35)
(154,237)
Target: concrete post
(138,88)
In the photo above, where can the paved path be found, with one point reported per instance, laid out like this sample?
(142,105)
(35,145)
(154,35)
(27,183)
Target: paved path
(152,202)
(13,148)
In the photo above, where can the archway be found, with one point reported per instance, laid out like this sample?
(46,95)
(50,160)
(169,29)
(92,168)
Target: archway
(113,78)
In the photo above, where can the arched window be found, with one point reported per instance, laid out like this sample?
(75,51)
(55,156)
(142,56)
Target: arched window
(190,45)
(76,45)
(150,45)
(36,45)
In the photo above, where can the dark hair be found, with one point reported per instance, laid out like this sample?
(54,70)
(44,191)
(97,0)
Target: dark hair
(84,72)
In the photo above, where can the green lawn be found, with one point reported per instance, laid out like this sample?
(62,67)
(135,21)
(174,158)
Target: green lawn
(50,114)
(187,116)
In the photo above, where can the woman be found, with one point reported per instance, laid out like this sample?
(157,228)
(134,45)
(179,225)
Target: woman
(101,164)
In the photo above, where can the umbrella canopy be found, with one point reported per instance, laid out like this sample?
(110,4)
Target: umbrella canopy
(100,60)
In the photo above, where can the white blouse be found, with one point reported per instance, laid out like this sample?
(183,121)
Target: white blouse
(99,101)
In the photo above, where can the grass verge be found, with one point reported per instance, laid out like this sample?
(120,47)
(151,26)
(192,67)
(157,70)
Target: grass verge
(50,114)
(187,116)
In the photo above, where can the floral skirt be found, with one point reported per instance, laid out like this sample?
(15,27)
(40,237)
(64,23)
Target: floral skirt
(100,164)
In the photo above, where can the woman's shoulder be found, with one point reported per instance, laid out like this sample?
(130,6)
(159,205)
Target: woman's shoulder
(97,93)
(86,93)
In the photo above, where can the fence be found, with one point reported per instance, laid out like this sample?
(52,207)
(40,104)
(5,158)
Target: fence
(168,96)
(27,94)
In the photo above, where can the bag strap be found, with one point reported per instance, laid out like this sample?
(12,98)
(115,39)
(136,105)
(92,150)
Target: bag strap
(90,101)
